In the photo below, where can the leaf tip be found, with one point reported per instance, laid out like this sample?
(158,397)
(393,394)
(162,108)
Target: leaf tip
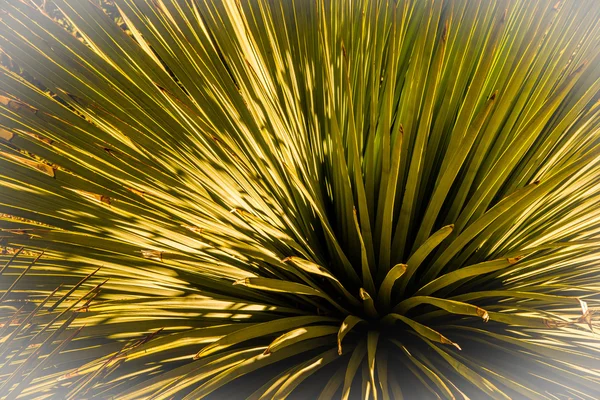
(364,295)
(514,260)
(6,134)
(483,314)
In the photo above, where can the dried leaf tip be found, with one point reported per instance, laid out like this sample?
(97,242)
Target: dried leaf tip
(17,105)
(6,134)
(550,323)
(514,260)
(40,166)
(586,315)
(194,229)
(41,138)
(443,340)
(364,295)
(483,314)
(46,169)
(94,196)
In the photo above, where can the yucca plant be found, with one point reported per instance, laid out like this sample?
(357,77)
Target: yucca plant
(315,199)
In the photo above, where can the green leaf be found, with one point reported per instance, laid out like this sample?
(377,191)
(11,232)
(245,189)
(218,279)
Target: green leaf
(372,339)
(276,285)
(481,383)
(252,364)
(381,363)
(468,234)
(455,160)
(333,384)
(464,273)
(299,334)
(354,364)
(304,371)
(438,382)
(421,329)
(349,322)
(451,306)
(259,330)
(369,304)
(422,252)
(385,289)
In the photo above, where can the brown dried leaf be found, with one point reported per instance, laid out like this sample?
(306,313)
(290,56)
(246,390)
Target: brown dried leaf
(483,314)
(514,260)
(6,135)
(94,196)
(44,168)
